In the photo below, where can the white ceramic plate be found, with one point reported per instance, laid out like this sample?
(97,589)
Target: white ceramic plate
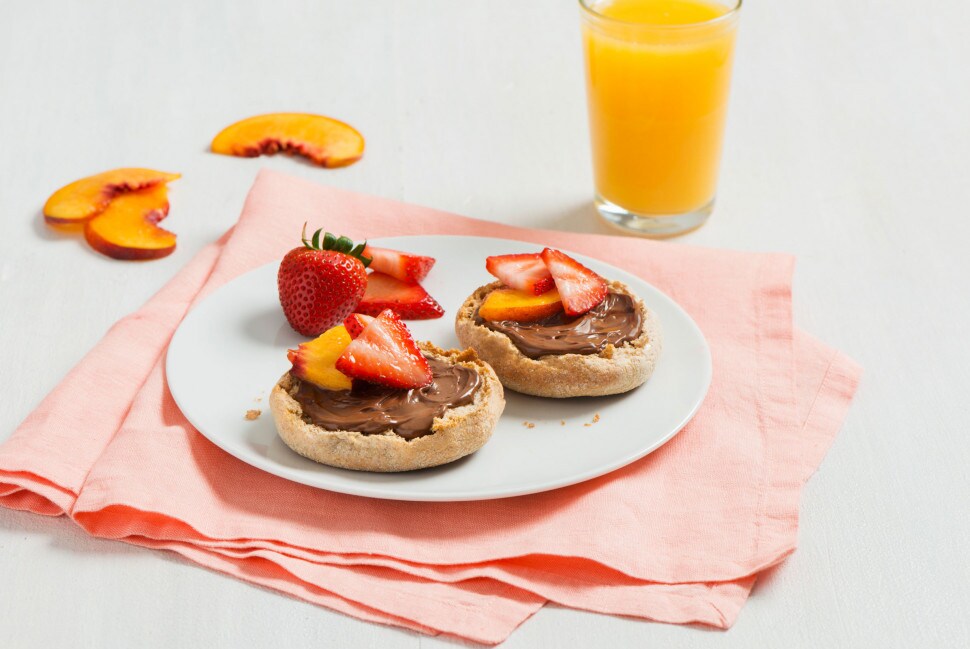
(231,349)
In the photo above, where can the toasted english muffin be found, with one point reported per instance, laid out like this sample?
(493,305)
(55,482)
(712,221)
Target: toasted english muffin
(460,431)
(613,370)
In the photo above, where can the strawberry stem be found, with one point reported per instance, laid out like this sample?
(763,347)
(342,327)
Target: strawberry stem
(338,244)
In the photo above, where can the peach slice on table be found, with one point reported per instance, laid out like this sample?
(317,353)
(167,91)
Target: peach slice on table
(519,306)
(323,140)
(88,197)
(316,361)
(127,228)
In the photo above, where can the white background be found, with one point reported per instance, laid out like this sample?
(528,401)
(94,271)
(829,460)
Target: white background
(848,145)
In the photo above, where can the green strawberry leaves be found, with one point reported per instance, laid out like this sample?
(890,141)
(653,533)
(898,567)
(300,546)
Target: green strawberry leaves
(332,242)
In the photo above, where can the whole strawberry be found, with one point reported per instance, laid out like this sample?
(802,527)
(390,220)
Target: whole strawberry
(321,282)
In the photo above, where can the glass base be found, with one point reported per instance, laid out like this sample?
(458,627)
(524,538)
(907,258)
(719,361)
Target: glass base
(657,226)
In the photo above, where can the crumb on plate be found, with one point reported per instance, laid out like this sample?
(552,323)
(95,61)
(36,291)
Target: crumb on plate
(253,414)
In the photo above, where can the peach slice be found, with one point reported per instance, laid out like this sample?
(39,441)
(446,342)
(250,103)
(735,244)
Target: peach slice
(519,306)
(127,228)
(325,141)
(316,361)
(88,197)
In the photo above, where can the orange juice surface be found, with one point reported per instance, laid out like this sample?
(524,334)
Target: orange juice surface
(658,73)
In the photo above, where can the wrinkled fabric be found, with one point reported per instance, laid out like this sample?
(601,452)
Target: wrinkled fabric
(679,536)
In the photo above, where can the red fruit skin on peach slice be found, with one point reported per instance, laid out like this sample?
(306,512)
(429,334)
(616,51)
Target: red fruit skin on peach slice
(524,272)
(315,360)
(400,265)
(83,199)
(323,140)
(409,301)
(127,228)
(386,354)
(579,288)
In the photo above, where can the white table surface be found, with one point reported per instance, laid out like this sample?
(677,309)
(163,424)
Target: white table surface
(848,145)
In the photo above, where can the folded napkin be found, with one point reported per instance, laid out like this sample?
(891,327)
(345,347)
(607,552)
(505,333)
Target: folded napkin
(679,536)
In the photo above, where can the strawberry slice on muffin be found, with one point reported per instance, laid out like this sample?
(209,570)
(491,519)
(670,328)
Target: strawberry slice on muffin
(580,289)
(383,352)
(526,272)
(580,336)
(364,395)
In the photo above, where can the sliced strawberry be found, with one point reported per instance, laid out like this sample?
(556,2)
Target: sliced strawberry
(402,265)
(356,322)
(385,353)
(409,301)
(523,272)
(580,288)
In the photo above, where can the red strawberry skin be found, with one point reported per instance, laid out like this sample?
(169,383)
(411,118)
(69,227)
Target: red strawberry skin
(384,353)
(580,289)
(319,288)
(526,272)
(409,301)
(401,265)
(356,323)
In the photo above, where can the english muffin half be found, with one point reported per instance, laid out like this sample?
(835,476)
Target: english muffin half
(613,370)
(458,432)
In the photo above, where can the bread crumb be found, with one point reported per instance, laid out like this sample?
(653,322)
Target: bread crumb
(528,424)
(562,422)
(253,414)
(596,417)
(587,424)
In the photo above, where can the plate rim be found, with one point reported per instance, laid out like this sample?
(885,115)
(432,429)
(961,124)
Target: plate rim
(366,490)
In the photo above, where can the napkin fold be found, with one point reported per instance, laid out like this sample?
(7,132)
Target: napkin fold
(678,536)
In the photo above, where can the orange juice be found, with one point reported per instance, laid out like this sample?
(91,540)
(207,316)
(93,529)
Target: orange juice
(658,73)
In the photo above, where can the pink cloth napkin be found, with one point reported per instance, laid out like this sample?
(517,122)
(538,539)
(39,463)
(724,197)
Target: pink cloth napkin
(678,537)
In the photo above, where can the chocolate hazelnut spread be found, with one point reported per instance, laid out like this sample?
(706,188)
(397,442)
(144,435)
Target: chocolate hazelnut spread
(613,321)
(372,409)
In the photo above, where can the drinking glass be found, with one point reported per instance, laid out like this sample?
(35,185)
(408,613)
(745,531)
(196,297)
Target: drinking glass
(657,79)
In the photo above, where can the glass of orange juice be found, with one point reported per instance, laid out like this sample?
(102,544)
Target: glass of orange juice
(657,79)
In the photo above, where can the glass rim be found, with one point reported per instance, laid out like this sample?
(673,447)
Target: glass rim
(728,15)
